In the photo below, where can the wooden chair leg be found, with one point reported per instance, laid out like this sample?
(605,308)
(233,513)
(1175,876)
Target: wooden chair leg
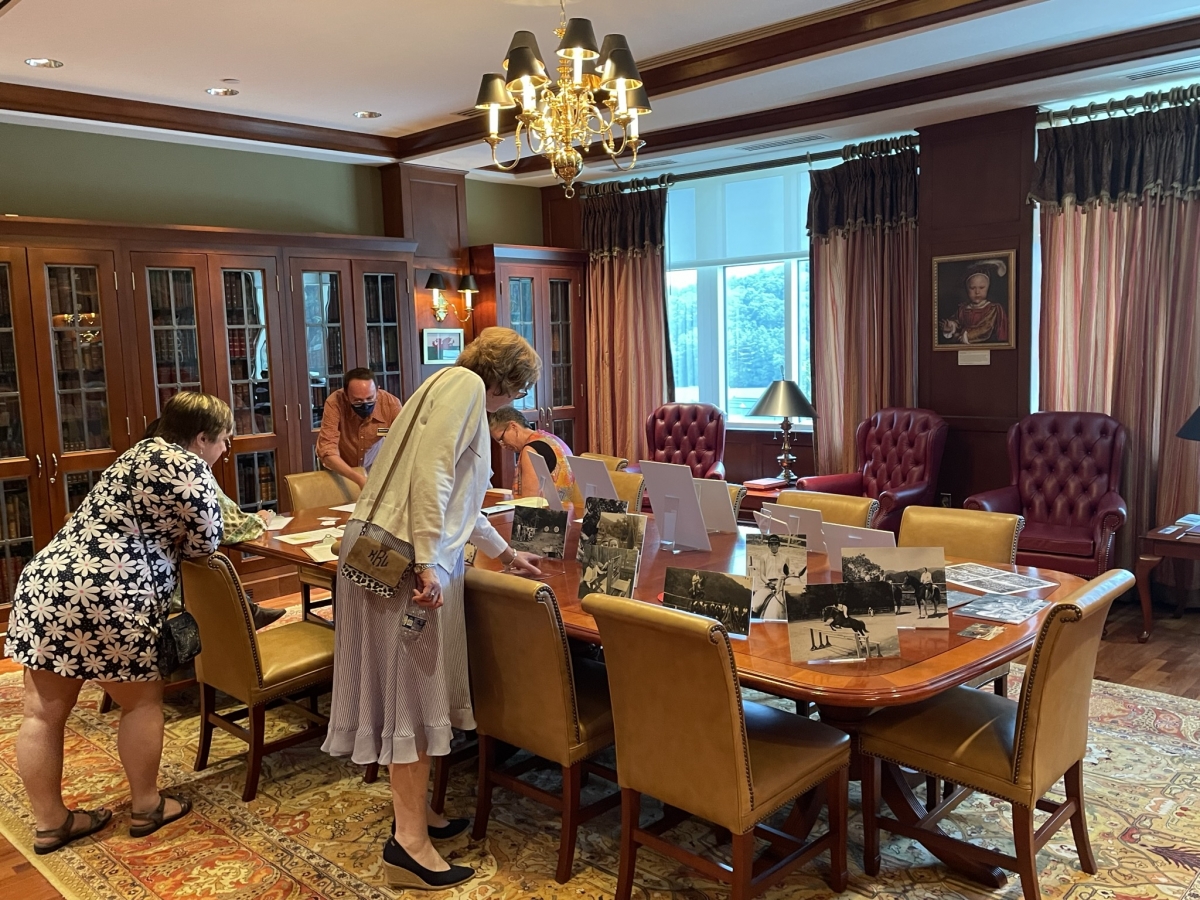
(305,601)
(1073,781)
(371,773)
(572,785)
(743,866)
(836,791)
(257,728)
(932,792)
(441,780)
(869,770)
(1026,852)
(106,702)
(483,800)
(208,704)
(631,808)
(1000,686)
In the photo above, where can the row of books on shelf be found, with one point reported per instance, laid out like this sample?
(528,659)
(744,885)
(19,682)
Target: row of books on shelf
(16,516)
(256,481)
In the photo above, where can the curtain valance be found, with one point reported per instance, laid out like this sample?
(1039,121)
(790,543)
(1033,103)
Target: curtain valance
(629,222)
(878,190)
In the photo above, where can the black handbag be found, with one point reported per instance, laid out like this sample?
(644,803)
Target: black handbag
(179,638)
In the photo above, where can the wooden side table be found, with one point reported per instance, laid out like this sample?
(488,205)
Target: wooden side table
(1155,546)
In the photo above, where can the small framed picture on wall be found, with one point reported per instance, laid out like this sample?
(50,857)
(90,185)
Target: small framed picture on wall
(973,301)
(441,346)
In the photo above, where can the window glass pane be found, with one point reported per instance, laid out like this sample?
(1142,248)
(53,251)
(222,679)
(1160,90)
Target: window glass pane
(804,323)
(681,320)
(754,217)
(754,336)
(681,225)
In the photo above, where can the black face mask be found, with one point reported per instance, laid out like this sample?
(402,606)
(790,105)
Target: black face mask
(365,409)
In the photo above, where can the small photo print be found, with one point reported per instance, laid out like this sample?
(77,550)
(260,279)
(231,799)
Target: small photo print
(776,564)
(608,570)
(539,531)
(725,598)
(441,346)
(916,576)
(850,620)
(592,510)
(1012,610)
(981,632)
(469,552)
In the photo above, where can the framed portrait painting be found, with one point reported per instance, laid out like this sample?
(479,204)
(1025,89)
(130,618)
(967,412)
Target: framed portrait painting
(441,346)
(974,300)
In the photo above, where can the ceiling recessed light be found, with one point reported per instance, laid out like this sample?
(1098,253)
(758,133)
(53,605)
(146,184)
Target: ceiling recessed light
(41,62)
(367,114)
(222,92)
(231,81)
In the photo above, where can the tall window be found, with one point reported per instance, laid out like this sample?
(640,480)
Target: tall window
(737,288)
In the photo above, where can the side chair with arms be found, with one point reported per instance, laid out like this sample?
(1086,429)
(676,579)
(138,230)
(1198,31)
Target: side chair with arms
(1065,472)
(307,490)
(254,668)
(630,487)
(899,457)
(1015,750)
(840,509)
(529,691)
(685,736)
(614,463)
(737,493)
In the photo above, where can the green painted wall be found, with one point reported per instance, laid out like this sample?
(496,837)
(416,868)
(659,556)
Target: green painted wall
(75,175)
(503,213)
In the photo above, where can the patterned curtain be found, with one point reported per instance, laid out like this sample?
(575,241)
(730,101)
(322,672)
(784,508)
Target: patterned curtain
(628,357)
(862,217)
(1120,218)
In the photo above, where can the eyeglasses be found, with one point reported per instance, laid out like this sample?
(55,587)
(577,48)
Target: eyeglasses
(521,396)
(503,431)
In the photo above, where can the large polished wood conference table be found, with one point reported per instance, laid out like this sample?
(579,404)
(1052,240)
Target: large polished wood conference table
(931,660)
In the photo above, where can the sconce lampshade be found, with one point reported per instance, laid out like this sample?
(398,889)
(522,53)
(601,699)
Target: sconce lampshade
(579,40)
(523,64)
(784,399)
(524,39)
(435,282)
(1191,428)
(637,99)
(492,92)
(467,284)
(620,64)
(611,43)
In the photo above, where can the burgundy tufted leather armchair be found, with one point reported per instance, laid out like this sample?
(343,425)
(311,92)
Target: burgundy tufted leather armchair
(899,455)
(690,434)
(1066,474)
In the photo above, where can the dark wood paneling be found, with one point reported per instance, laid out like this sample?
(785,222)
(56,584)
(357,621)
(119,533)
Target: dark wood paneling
(1081,57)
(975,175)
(434,204)
(751,454)
(562,219)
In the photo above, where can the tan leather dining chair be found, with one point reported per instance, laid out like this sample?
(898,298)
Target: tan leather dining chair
(614,463)
(737,493)
(529,691)
(308,490)
(253,667)
(685,736)
(630,486)
(841,509)
(1016,750)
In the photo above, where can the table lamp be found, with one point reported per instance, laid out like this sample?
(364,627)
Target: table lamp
(1191,428)
(784,398)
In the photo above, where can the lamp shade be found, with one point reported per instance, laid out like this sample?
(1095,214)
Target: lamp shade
(1191,428)
(435,282)
(523,64)
(579,40)
(784,398)
(611,43)
(638,99)
(524,39)
(467,284)
(492,92)
(619,65)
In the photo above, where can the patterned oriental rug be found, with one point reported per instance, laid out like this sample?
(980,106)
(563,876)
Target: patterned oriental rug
(316,830)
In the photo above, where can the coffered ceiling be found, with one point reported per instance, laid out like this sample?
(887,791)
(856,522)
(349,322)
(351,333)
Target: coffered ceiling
(303,67)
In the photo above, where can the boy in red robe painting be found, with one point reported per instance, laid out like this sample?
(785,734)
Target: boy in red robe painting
(978,320)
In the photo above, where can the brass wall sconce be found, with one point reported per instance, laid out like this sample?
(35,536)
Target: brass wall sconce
(436,283)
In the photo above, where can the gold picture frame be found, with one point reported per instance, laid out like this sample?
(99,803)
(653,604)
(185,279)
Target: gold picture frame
(974,301)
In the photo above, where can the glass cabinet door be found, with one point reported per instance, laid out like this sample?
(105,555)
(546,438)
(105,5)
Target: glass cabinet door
(84,401)
(561,361)
(385,324)
(518,288)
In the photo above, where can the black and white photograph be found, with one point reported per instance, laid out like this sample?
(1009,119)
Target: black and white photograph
(540,531)
(980,632)
(725,598)
(993,581)
(592,508)
(850,620)
(608,570)
(916,576)
(776,565)
(469,552)
(1000,608)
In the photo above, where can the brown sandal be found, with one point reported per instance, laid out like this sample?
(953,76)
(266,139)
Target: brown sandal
(63,834)
(155,819)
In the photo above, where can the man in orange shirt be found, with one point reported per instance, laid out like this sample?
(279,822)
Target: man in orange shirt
(355,418)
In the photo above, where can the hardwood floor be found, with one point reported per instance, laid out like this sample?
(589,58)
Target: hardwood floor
(1169,662)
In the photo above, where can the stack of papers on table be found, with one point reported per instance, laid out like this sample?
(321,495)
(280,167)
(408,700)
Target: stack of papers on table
(311,537)
(993,581)
(1002,609)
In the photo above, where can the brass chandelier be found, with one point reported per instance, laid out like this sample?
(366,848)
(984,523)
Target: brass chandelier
(561,121)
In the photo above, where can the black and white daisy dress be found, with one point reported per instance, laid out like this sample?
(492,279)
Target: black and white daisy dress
(91,603)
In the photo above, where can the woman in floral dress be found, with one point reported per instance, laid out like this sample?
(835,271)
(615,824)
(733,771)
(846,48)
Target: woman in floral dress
(91,606)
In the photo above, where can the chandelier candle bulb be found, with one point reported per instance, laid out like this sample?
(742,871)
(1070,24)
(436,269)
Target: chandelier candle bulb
(633,123)
(622,100)
(493,120)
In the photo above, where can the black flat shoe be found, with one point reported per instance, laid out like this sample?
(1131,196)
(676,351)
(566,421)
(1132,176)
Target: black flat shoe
(402,871)
(453,828)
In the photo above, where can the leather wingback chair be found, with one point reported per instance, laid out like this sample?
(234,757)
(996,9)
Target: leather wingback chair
(899,456)
(837,508)
(307,490)
(1065,480)
(686,737)
(529,691)
(255,668)
(689,434)
(1016,750)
